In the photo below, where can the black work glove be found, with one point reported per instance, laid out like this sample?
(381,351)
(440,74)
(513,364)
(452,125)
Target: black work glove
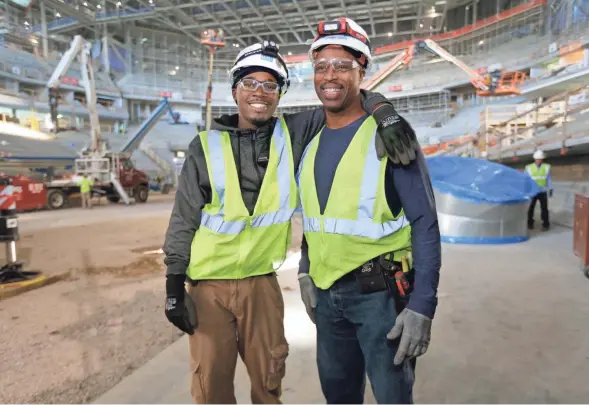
(180,309)
(550,193)
(396,138)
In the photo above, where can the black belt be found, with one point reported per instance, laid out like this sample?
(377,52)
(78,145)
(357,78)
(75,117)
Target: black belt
(351,275)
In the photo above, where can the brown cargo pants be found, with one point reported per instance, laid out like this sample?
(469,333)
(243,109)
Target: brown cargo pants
(238,316)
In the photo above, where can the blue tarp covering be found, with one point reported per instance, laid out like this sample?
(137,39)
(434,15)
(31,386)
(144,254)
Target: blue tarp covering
(480,181)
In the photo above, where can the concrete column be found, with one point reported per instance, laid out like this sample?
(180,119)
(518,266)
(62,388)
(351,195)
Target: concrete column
(105,56)
(570,9)
(129,45)
(44,29)
(474,11)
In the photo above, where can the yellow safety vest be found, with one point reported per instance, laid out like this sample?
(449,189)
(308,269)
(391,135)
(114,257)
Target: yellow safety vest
(539,174)
(357,224)
(85,185)
(230,243)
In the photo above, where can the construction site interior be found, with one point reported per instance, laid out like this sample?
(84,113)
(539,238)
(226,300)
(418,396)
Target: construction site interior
(118,90)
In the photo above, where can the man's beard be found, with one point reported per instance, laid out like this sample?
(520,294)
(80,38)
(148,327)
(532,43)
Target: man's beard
(258,122)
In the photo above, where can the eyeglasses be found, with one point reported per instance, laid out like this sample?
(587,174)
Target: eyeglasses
(249,84)
(339,65)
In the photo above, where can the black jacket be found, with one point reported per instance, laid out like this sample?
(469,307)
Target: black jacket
(194,188)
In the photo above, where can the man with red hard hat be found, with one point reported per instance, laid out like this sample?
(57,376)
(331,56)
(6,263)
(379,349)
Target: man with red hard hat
(370,256)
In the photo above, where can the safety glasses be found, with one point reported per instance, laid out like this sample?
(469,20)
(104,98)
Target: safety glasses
(252,85)
(338,64)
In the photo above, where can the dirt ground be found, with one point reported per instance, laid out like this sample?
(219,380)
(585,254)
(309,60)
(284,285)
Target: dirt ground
(72,341)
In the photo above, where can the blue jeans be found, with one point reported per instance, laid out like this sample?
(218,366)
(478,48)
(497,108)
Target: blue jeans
(351,342)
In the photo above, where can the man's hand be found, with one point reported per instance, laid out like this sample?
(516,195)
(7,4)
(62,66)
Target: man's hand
(396,138)
(415,331)
(308,294)
(551,191)
(180,309)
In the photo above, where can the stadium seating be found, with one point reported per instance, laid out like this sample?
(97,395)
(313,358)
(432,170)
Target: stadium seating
(515,48)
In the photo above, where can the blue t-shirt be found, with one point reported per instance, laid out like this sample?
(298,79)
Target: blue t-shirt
(333,143)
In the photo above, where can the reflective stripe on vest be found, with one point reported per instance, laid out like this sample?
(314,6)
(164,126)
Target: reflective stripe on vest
(363,225)
(216,222)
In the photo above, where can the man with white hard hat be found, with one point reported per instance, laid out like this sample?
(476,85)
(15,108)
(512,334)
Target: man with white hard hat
(541,173)
(230,229)
(371,251)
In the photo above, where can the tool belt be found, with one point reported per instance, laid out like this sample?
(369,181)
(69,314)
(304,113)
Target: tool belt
(387,272)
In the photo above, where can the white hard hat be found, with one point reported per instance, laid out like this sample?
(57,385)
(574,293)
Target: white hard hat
(263,55)
(539,155)
(345,32)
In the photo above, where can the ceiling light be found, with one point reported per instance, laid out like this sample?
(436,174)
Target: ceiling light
(289,53)
(85,4)
(57,15)
(98,6)
(390,34)
(420,25)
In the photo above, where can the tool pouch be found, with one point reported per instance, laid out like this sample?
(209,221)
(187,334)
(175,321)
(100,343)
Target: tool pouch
(399,282)
(370,278)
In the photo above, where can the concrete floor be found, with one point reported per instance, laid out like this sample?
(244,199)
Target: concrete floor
(511,327)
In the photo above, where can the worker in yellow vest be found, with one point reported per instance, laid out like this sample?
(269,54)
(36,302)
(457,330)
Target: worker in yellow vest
(230,228)
(541,173)
(86,184)
(363,218)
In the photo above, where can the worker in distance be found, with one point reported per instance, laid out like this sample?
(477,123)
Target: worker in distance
(370,255)
(541,173)
(230,227)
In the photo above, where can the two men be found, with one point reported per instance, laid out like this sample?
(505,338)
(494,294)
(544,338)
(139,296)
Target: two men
(363,219)
(230,227)
(541,173)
